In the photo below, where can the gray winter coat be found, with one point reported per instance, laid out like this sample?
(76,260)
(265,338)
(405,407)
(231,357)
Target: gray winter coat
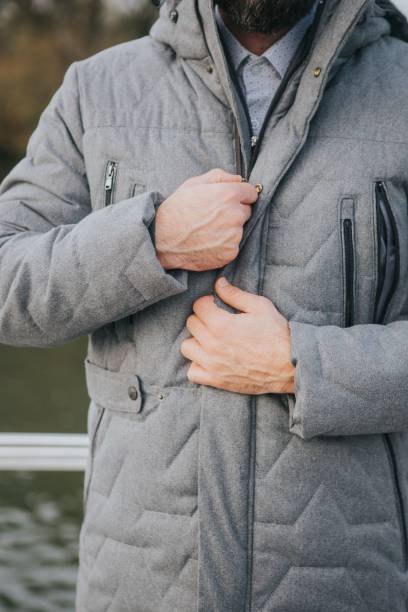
(199,499)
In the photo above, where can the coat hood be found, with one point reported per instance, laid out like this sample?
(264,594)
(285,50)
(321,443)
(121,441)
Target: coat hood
(188,27)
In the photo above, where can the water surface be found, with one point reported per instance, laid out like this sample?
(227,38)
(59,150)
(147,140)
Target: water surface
(42,390)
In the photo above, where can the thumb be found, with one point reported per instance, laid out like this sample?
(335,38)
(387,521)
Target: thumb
(235,297)
(217,175)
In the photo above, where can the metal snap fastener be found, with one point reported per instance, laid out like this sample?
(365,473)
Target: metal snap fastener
(259,188)
(133,393)
(173,15)
(317,71)
(161,396)
(210,68)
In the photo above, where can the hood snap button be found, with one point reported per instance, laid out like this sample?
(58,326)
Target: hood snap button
(174,15)
(133,393)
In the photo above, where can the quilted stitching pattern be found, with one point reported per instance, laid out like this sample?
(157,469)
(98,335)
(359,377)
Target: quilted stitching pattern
(155,495)
(324,510)
(324,514)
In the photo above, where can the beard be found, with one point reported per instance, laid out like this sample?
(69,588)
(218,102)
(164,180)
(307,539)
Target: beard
(265,16)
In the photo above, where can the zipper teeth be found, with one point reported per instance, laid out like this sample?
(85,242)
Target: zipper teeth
(378,289)
(398,497)
(349,271)
(306,52)
(256,145)
(381,191)
(238,158)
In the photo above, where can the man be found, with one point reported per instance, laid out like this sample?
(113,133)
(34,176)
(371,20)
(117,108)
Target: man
(248,325)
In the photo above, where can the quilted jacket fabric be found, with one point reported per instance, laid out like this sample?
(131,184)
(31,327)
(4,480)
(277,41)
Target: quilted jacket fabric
(198,499)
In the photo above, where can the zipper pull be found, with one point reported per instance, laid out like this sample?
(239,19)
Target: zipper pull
(110,177)
(254,140)
(110,173)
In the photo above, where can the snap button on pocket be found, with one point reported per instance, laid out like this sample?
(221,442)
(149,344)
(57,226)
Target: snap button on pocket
(118,392)
(133,393)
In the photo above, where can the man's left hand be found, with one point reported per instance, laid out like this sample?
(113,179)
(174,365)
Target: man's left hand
(247,352)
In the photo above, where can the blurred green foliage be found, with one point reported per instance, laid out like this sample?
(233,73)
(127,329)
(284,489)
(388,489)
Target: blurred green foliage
(38,41)
(44,390)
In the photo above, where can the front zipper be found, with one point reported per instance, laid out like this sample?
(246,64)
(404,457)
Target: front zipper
(238,152)
(349,265)
(302,54)
(381,194)
(255,148)
(110,180)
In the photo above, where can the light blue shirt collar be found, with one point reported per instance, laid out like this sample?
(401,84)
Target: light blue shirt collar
(280,54)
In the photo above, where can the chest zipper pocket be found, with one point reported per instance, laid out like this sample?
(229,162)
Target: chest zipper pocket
(110,181)
(387,252)
(387,280)
(349,259)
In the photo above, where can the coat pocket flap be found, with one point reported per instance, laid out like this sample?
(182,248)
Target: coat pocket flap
(116,391)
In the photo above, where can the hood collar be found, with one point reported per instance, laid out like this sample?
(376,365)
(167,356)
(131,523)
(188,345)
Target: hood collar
(188,26)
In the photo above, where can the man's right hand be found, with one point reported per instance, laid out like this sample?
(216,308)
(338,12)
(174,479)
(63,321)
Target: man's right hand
(200,226)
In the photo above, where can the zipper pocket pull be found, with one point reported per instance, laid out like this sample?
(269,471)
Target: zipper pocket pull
(110,176)
(110,173)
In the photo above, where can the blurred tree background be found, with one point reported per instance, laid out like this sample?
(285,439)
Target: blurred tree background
(44,389)
(38,40)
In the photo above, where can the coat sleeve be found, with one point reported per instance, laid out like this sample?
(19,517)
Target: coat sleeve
(349,381)
(65,270)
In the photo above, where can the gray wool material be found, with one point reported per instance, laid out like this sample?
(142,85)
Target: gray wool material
(198,499)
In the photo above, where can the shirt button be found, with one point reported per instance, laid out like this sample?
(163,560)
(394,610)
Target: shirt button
(133,393)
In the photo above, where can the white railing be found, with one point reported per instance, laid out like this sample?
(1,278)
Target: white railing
(43,452)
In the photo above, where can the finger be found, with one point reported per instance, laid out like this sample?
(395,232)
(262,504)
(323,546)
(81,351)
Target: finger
(245,193)
(246,212)
(199,331)
(207,310)
(199,375)
(235,297)
(217,175)
(192,350)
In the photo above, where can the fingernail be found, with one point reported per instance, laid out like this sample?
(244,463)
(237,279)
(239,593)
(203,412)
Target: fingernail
(222,281)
